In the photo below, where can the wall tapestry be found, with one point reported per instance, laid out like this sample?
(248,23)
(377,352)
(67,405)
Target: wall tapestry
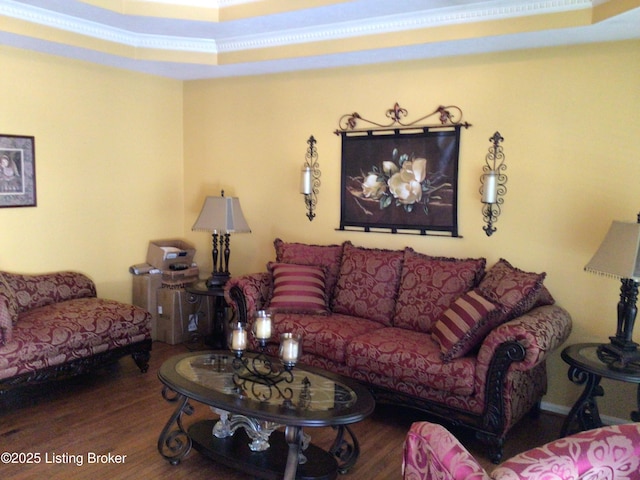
(401,177)
(17,171)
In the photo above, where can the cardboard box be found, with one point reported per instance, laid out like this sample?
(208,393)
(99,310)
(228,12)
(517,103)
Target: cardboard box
(144,294)
(173,277)
(173,315)
(164,253)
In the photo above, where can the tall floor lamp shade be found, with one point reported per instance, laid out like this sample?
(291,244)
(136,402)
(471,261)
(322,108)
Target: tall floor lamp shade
(619,257)
(221,216)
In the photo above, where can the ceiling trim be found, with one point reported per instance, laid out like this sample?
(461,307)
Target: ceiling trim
(90,32)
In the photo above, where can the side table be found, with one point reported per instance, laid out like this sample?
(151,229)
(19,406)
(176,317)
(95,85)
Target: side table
(585,368)
(216,310)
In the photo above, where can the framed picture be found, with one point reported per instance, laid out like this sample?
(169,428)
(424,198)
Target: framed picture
(17,171)
(396,180)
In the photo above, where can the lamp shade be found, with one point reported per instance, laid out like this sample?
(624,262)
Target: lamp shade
(619,253)
(221,215)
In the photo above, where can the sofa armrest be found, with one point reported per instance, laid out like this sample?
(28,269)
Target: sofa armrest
(540,331)
(247,294)
(26,292)
(431,452)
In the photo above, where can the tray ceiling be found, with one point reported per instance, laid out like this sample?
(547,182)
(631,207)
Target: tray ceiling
(196,39)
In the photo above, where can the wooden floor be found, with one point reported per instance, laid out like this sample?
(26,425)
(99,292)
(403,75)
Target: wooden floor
(121,412)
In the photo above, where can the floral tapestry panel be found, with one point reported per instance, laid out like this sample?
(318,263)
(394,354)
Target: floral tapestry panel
(401,181)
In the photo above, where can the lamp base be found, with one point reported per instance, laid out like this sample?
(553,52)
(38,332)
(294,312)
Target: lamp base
(620,355)
(217,279)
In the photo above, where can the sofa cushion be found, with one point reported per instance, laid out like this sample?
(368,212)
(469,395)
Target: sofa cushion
(33,291)
(429,285)
(297,288)
(408,356)
(53,334)
(516,290)
(368,283)
(325,336)
(325,256)
(464,324)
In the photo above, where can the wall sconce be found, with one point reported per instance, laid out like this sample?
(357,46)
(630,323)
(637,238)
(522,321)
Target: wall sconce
(310,178)
(493,182)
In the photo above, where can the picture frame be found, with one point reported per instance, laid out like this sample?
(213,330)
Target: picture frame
(399,181)
(17,171)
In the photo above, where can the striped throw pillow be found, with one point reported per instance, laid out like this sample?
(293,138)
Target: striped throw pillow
(297,289)
(463,325)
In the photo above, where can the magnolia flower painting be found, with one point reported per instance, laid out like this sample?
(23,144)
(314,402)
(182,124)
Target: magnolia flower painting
(401,182)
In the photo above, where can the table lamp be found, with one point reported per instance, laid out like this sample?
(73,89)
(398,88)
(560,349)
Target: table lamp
(221,216)
(619,257)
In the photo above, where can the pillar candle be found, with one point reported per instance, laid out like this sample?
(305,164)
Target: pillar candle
(239,339)
(306,181)
(290,349)
(262,327)
(490,188)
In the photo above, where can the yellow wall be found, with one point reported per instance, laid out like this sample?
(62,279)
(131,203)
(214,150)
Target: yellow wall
(108,147)
(112,172)
(569,117)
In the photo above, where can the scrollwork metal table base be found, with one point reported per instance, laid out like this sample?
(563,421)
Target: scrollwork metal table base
(174,443)
(260,426)
(585,368)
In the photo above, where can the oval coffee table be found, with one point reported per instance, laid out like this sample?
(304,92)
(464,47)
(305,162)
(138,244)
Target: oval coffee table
(252,409)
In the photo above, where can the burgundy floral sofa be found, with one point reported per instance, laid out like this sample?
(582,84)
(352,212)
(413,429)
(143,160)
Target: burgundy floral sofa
(446,336)
(611,453)
(53,325)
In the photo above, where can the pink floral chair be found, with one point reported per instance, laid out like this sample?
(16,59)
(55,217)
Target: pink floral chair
(607,453)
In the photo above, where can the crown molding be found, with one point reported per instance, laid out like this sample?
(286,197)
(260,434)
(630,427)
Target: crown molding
(395,23)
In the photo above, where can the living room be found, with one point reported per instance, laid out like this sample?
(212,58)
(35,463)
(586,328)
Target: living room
(124,157)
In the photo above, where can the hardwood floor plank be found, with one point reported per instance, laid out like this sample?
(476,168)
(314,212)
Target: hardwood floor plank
(120,411)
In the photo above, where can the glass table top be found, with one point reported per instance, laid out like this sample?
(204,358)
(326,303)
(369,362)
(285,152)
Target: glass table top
(267,383)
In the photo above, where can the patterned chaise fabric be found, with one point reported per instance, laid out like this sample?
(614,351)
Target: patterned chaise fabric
(57,318)
(444,333)
(607,453)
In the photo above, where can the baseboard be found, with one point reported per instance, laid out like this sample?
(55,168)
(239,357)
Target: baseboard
(564,411)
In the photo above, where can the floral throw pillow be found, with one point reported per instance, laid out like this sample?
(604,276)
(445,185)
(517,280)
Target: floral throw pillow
(516,290)
(368,283)
(465,324)
(429,285)
(297,289)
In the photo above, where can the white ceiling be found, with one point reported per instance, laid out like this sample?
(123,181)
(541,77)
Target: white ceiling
(194,39)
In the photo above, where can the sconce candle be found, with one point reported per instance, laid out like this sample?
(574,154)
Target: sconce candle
(306,180)
(290,348)
(262,325)
(490,188)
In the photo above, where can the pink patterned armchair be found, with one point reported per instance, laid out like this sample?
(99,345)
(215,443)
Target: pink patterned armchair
(609,453)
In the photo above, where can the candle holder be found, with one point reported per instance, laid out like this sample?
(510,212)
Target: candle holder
(493,184)
(290,349)
(238,339)
(262,328)
(253,373)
